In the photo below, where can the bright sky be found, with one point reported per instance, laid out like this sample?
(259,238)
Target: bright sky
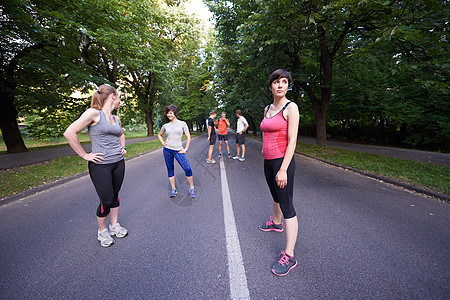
(200,9)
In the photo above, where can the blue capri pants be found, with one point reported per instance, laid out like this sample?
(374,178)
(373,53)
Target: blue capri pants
(169,156)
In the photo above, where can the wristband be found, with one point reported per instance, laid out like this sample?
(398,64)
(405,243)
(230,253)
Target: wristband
(123,147)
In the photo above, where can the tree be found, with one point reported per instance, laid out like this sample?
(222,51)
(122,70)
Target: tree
(302,36)
(40,61)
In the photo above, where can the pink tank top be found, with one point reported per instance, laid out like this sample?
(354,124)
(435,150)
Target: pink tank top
(275,135)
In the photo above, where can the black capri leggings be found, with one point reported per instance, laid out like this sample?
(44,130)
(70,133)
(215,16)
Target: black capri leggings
(107,179)
(281,196)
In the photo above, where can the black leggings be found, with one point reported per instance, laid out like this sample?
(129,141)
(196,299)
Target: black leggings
(281,196)
(107,179)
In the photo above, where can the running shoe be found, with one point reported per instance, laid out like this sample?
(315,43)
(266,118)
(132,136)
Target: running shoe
(284,264)
(271,226)
(220,156)
(173,193)
(210,161)
(242,159)
(236,157)
(105,239)
(192,192)
(229,155)
(118,231)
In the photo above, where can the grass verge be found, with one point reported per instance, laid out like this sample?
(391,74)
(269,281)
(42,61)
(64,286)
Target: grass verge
(425,175)
(17,180)
(37,144)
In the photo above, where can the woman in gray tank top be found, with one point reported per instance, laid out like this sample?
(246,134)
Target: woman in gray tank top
(105,162)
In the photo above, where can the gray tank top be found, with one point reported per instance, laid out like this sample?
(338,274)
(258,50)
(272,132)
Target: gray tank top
(105,139)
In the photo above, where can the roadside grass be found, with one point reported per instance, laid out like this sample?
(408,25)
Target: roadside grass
(37,144)
(434,177)
(17,180)
(425,175)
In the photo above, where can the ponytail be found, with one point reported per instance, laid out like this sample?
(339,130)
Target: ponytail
(100,95)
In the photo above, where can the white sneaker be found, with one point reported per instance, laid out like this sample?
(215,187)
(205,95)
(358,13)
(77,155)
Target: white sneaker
(242,159)
(236,157)
(117,230)
(105,239)
(220,156)
(210,161)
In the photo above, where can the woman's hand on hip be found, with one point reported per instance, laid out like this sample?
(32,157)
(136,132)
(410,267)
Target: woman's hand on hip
(182,150)
(94,157)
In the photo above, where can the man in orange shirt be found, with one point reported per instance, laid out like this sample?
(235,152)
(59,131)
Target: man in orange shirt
(223,123)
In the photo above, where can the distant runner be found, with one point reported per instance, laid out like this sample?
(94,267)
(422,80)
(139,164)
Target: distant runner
(241,128)
(211,136)
(223,123)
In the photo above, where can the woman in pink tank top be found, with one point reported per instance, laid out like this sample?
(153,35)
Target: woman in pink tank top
(280,129)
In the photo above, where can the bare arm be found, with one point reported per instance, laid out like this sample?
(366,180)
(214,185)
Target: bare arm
(209,132)
(188,142)
(245,127)
(293,120)
(123,150)
(160,138)
(71,134)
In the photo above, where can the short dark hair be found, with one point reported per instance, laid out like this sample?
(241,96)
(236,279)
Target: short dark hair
(171,107)
(212,112)
(277,74)
(239,112)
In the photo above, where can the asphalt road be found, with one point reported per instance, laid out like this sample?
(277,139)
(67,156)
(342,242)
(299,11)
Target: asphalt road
(358,238)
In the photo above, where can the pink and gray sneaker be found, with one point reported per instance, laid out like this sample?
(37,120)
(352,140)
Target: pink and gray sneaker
(271,226)
(284,264)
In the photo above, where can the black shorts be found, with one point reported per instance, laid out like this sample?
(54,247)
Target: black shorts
(240,138)
(281,196)
(223,137)
(212,140)
(107,180)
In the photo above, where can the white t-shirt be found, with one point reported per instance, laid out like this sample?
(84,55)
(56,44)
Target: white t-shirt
(241,124)
(174,133)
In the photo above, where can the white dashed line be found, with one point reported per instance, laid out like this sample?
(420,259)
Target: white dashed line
(238,280)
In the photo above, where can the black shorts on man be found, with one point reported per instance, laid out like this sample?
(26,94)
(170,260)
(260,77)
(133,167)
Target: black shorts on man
(240,138)
(223,137)
(212,139)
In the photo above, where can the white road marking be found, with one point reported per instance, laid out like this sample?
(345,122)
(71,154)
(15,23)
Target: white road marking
(236,269)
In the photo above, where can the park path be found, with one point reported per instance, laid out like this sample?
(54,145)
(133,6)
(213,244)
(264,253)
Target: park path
(34,157)
(359,238)
(408,154)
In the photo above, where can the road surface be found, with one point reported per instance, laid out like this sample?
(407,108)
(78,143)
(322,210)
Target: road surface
(358,238)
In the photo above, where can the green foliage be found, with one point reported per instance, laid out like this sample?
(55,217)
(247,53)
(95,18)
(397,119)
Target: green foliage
(62,47)
(381,66)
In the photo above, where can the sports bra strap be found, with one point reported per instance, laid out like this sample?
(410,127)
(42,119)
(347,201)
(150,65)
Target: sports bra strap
(284,107)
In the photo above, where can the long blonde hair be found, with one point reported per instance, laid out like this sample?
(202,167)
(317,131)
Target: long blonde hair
(100,95)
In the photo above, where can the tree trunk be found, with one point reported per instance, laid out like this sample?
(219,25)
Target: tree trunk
(321,107)
(149,122)
(320,113)
(252,124)
(8,119)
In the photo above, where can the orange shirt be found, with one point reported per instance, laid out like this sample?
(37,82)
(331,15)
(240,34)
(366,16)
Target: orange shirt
(222,125)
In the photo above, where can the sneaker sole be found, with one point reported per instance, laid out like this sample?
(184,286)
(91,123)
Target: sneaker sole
(119,236)
(267,230)
(293,266)
(104,245)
